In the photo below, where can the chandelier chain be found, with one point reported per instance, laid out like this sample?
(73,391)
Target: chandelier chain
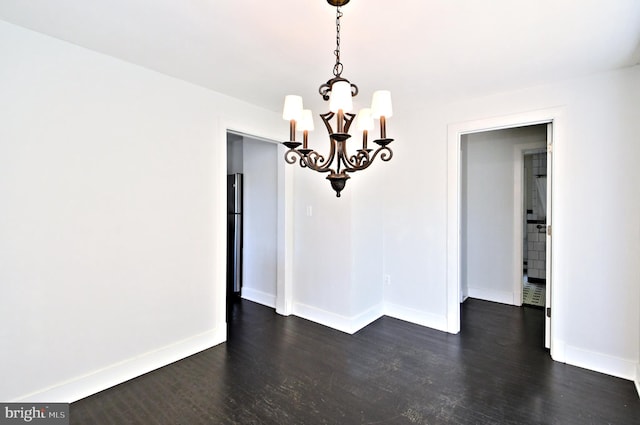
(337,69)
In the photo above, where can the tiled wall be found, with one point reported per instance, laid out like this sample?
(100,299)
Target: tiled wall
(535,250)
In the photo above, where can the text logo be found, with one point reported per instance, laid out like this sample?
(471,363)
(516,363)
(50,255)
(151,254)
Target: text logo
(34,413)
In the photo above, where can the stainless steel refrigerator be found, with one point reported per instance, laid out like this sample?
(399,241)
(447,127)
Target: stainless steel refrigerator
(234,234)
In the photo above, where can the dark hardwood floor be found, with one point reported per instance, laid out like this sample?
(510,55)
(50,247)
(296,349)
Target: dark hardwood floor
(286,370)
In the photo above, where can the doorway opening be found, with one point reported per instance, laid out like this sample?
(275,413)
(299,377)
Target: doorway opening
(253,207)
(492,212)
(554,120)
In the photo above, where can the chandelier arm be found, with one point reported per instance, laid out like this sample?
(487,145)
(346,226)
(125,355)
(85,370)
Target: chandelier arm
(384,152)
(316,162)
(355,162)
(290,156)
(338,138)
(310,160)
(326,119)
(344,159)
(320,164)
(348,118)
(360,158)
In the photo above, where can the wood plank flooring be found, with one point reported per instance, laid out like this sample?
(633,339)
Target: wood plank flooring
(286,370)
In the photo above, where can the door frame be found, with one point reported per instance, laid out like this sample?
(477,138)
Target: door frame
(556,116)
(284,284)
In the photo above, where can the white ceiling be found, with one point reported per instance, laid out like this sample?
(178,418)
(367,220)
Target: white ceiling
(422,49)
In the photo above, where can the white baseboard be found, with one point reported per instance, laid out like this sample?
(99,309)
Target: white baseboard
(603,363)
(353,324)
(503,297)
(339,322)
(259,297)
(418,317)
(99,380)
(558,350)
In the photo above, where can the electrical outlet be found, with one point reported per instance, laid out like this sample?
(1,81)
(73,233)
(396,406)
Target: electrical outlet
(387,279)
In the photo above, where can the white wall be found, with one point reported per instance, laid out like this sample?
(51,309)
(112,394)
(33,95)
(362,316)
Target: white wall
(322,250)
(415,214)
(597,188)
(338,261)
(260,160)
(110,255)
(488,212)
(367,215)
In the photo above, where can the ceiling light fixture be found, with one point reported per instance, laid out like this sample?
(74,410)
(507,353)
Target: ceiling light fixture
(339,92)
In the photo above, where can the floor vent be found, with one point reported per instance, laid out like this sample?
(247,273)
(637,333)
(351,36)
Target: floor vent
(533,294)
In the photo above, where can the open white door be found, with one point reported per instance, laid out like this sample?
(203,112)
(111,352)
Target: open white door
(549,245)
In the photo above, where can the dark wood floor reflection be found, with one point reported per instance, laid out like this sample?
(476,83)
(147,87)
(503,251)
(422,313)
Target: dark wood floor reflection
(286,370)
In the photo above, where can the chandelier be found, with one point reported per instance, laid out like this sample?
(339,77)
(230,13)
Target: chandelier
(339,92)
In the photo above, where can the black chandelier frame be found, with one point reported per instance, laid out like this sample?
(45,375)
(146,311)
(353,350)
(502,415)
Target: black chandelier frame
(338,163)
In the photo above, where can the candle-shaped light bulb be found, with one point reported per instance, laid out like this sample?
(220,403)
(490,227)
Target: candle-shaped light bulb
(365,124)
(382,109)
(292,112)
(306,125)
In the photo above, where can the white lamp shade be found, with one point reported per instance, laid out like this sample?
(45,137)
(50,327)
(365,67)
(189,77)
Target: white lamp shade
(381,104)
(306,121)
(292,108)
(365,120)
(340,97)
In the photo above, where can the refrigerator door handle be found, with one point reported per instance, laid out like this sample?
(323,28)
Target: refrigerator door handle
(237,258)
